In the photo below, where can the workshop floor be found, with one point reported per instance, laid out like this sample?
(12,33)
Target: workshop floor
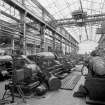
(61,97)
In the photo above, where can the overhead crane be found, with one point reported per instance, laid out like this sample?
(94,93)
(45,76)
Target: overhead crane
(89,19)
(79,19)
(83,21)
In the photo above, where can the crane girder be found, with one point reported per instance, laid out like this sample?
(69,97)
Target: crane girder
(73,22)
(90,19)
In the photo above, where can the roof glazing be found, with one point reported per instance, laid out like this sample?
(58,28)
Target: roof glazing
(61,9)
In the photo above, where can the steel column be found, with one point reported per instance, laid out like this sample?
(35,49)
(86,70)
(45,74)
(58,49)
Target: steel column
(42,38)
(23,31)
(53,42)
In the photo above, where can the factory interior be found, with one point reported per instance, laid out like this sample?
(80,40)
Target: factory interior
(52,52)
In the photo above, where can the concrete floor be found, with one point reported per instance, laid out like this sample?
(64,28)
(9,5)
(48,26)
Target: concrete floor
(61,97)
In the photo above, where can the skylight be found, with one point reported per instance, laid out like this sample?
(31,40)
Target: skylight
(61,9)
